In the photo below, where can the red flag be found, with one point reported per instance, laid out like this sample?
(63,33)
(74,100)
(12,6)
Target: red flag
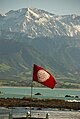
(42,76)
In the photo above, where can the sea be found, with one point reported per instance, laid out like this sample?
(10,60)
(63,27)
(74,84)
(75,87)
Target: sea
(56,93)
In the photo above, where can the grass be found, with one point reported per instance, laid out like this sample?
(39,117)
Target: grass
(4,67)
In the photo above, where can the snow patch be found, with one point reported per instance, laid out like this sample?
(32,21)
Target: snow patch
(33,13)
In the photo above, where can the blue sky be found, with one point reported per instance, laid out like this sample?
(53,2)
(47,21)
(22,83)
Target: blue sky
(59,7)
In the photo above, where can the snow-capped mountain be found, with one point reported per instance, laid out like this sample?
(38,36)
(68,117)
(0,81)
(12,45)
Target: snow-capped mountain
(30,36)
(36,22)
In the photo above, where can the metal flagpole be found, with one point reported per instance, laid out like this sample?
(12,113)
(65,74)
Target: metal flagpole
(31,94)
(31,97)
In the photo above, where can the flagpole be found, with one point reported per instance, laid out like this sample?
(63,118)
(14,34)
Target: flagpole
(31,94)
(31,97)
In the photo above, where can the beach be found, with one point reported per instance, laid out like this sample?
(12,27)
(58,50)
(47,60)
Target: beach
(41,103)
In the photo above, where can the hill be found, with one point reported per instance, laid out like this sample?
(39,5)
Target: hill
(58,55)
(29,36)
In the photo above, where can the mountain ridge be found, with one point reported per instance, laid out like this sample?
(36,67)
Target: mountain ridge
(36,23)
(29,36)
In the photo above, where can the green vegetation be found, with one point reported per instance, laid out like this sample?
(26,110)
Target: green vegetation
(4,67)
(58,55)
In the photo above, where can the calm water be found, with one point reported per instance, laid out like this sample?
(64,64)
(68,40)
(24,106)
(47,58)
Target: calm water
(20,92)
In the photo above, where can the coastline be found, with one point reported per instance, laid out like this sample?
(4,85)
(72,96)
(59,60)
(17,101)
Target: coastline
(40,103)
(39,87)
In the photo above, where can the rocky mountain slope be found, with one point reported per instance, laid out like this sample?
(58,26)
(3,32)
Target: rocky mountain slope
(30,36)
(36,22)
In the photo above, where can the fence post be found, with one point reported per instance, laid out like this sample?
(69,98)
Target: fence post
(28,115)
(47,116)
(10,115)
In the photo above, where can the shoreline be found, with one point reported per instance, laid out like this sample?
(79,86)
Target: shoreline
(39,87)
(40,103)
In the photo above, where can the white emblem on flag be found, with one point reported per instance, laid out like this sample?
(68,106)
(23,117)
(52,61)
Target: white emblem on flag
(42,75)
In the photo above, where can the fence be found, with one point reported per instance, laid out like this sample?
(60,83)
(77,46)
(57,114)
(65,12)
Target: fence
(23,116)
